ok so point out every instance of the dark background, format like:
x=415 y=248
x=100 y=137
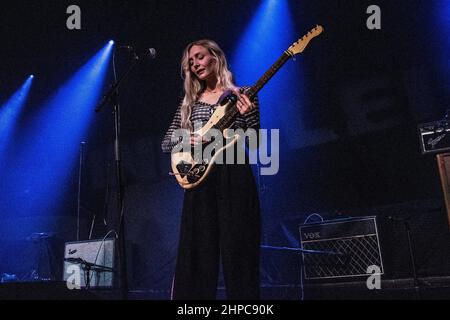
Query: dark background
x=369 y=88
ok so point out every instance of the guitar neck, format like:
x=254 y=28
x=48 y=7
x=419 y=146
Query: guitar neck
x=226 y=121
x=252 y=91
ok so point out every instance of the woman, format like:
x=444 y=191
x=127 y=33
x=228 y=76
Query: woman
x=220 y=219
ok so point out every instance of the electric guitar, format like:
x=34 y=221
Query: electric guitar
x=190 y=170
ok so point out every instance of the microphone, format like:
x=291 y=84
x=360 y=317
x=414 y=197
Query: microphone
x=150 y=52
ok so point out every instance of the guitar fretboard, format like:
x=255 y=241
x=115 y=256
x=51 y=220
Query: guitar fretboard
x=232 y=112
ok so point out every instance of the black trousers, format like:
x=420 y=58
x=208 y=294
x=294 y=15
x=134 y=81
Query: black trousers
x=220 y=222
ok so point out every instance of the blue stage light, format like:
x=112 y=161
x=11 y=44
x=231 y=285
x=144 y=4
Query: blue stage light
x=9 y=113
x=268 y=35
x=43 y=168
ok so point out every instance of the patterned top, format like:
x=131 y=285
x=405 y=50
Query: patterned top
x=201 y=112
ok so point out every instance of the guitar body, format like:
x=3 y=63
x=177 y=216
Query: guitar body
x=191 y=169
x=189 y=172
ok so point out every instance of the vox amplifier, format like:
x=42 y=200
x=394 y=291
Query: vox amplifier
x=340 y=248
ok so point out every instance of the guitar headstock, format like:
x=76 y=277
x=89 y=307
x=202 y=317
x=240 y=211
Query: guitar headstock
x=300 y=45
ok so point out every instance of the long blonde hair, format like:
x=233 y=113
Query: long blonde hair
x=193 y=87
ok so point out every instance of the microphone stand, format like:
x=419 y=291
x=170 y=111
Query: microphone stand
x=80 y=171
x=412 y=259
x=88 y=267
x=411 y=255
x=112 y=96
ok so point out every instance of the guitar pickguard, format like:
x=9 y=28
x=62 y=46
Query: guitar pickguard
x=188 y=172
